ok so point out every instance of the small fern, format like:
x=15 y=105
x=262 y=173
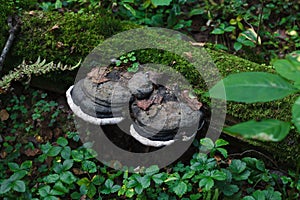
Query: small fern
x=27 y=70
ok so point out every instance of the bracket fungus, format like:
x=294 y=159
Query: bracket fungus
x=160 y=114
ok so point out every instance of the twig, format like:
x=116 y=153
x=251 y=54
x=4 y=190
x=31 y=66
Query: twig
x=12 y=31
x=251 y=151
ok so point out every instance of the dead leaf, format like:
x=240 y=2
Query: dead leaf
x=32 y=152
x=3 y=154
x=200 y=44
x=4 y=115
x=77 y=171
x=72 y=49
x=98 y=74
x=192 y=102
x=83 y=197
x=32 y=13
x=189 y=54
x=59 y=44
x=56 y=26
x=144 y=104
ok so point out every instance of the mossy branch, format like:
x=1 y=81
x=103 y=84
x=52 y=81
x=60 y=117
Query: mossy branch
x=27 y=70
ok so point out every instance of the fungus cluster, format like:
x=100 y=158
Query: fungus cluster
x=159 y=113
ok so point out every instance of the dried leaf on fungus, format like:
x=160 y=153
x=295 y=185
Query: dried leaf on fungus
x=98 y=75
x=191 y=101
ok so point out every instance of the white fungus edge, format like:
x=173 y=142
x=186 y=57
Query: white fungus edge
x=90 y=119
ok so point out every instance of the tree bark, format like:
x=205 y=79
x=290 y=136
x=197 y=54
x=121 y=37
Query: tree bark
x=12 y=31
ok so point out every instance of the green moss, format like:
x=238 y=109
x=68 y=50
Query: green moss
x=65 y=38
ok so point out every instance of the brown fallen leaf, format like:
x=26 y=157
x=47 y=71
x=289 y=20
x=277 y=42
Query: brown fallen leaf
x=200 y=44
x=59 y=45
x=192 y=102
x=144 y=104
x=98 y=74
x=56 y=26
x=32 y=152
x=4 y=115
x=189 y=55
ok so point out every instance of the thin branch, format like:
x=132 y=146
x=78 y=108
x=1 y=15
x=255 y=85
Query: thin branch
x=12 y=30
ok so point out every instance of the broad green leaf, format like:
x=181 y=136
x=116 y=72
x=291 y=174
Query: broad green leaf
x=130 y=8
x=5 y=186
x=109 y=183
x=26 y=165
x=13 y=166
x=218 y=175
x=115 y=188
x=18 y=175
x=161 y=2
x=229 y=29
x=152 y=170
x=44 y=191
x=19 y=186
x=67 y=177
x=98 y=180
x=217 y=31
x=59 y=189
x=83 y=181
x=158 y=178
x=67 y=164
x=89 y=166
x=51 y=178
x=180 y=189
x=296 y=114
x=237 y=166
x=54 y=151
x=251 y=87
x=230 y=189
x=266 y=130
x=188 y=174
x=287 y=68
x=207 y=143
x=66 y=152
x=62 y=141
x=237 y=46
x=92 y=190
x=206 y=183
x=221 y=142
x=197 y=11
x=145 y=181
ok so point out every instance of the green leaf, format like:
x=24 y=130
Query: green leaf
x=161 y=2
x=109 y=183
x=13 y=166
x=131 y=9
x=180 y=189
x=68 y=177
x=229 y=29
x=26 y=165
x=251 y=87
x=58 y=4
x=237 y=46
x=18 y=175
x=221 y=142
x=51 y=178
x=237 y=166
x=266 y=130
x=288 y=69
x=197 y=11
x=6 y=186
x=207 y=143
x=222 y=151
x=296 y=114
x=158 y=178
x=67 y=164
x=89 y=166
x=229 y=190
x=206 y=183
x=62 y=141
x=54 y=151
x=152 y=170
x=98 y=180
x=59 y=189
x=218 y=175
x=77 y=155
x=83 y=181
x=66 y=152
x=218 y=31
x=44 y=191
x=188 y=175
x=138 y=189
x=19 y=186
x=92 y=190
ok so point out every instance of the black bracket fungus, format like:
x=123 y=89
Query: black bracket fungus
x=160 y=114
